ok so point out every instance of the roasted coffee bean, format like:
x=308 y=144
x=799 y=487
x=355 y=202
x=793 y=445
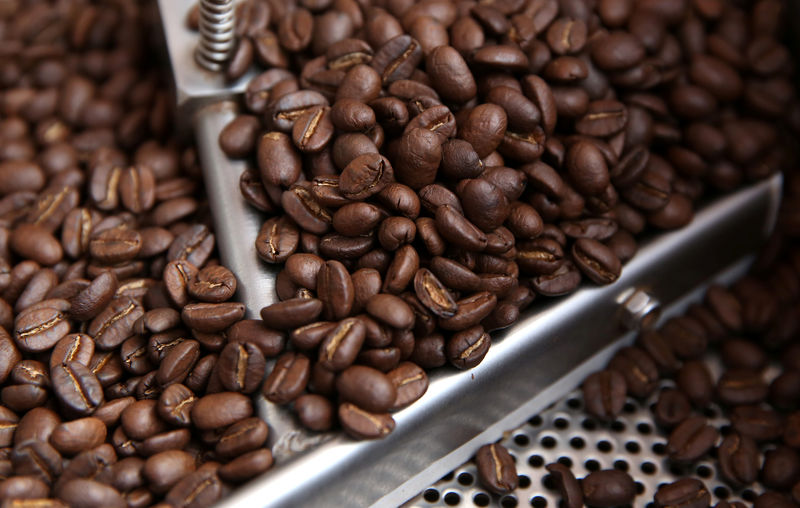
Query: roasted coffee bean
x=163 y=470
x=361 y=424
x=34 y=242
x=741 y=386
x=568 y=486
x=410 y=382
x=686 y=336
x=40 y=329
x=691 y=439
x=496 y=469
x=639 y=370
x=200 y=488
x=175 y=404
x=739 y=459
x=596 y=260
x=564 y=279
x=367 y=388
x=781 y=468
x=604 y=394
x=688 y=492
x=401 y=270
x=177 y=363
x=288 y=378
x=212 y=317
x=694 y=380
x=433 y=294
x=608 y=487
x=213 y=284
x=397 y=58
x=91 y=300
x=38 y=459
x=725 y=307
x=365 y=175
x=73 y=437
x=761 y=424
x=335 y=289
x=114 y=324
x=391 y=310
x=240 y=367
x=587 y=168
x=772 y=499
x=467 y=348
x=220 y=409
x=140 y=420
x=341 y=345
x=76 y=388
x=277 y=240
x=470 y=311
x=242 y=437
x=90 y=493
x=655 y=344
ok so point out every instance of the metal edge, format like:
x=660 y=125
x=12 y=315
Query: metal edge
x=464 y=409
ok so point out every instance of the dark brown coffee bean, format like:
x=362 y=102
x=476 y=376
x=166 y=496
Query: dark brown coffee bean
x=241 y=367
x=470 y=311
x=410 y=382
x=365 y=175
x=739 y=459
x=688 y=492
x=213 y=284
x=341 y=345
x=691 y=439
x=20 y=488
x=391 y=310
x=165 y=469
x=91 y=300
x=656 y=345
x=433 y=294
x=212 y=317
x=568 y=486
x=608 y=487
x=596 y=261
x=367 y=388
x=671 y=408
x=90 y=494
x=617 y=51
x=761 y=424
x=175 y=404
x=562 y=280
x=467 y=348
x=686 y=336
x=450 y=75
x=604 y=394
x=140 y=420
x=496 y=469
x=220 y=409
x=397 y=58
x=277 y=240
x=587 y=168
x=76 y=388
x=200 y=488
x=639 y=370
x=315 y=412
x=741 y=386
x=716 y=76
x=114 y=324
x=725 y=306
x=73 y=437
x=484 y=128
x=242 y=437
x=361 y=424
x=335 y=290
x=278 y=160
x=781 y=468
x=38 y=459
x=178 y=362
x=694 y=380
x=288 y=378
x=35 y=242
x=292 y=313
x=40 y=329
x=772 y=499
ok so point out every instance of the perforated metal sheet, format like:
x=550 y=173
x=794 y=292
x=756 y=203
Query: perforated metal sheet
x=564 y=433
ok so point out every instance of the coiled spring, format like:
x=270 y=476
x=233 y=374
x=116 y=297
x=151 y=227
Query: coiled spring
x=217 y=39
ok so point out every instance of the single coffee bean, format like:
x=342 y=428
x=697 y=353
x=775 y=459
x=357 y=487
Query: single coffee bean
x=277 y=240
x=288 y=378
x=175 y=405
x=739 y=459
x=40 y=329
x=140 y=420
x=608 y=487
x=361 y=424
x=694 y=380
x=335 y=289
x=202 y=487
x=496 y=469
x=688 y=492
x=587 y=168
x=596 y=260
x=38 y=459
x=242 y=437
x=639 y=370
x=741 y=387
x=213 y=284
x=315 y=412
x=568 y=486
x=691 y=439
x=163 y=470
x=367 y=388
x=467 y=348
x=240 y=367
x=655 y=344
x=725 y=306
x=73 y=437
x=177 y=363
x=562 y=280
x=470 y=311
x=76 y=388
x=247 y=466
x=90 y=494
x=212 y=317
x=686 y=336
x=604 y=394
x=220 y=409
x=341 y=345
x=397 y=58
x=365 y=175
x=114 y=324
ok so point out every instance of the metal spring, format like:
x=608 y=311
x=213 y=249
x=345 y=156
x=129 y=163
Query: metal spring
x=217 y=39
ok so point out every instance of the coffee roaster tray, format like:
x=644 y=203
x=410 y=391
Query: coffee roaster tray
x=529 y=366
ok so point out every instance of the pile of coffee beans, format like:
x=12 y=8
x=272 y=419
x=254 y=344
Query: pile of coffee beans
x=427 y=169
x=736 y=350
x=125 y=369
